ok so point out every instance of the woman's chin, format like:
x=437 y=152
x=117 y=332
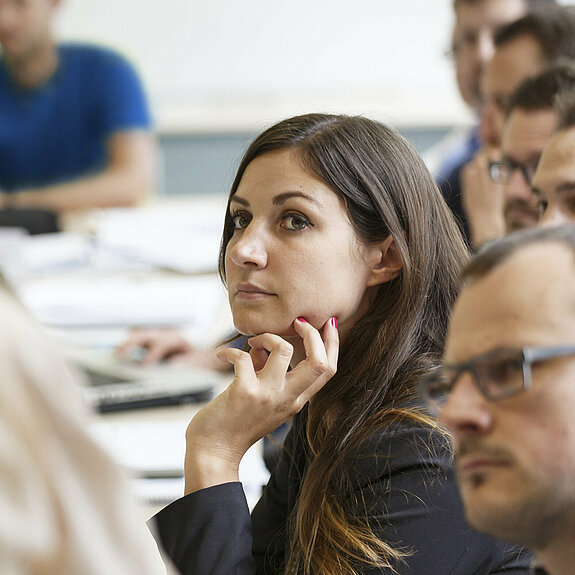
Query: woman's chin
x=257 y=328
x=256 y=324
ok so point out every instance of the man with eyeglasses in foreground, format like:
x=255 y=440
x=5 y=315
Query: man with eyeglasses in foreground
x=506 y=392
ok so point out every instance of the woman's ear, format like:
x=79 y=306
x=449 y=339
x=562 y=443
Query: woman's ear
x=384 y=261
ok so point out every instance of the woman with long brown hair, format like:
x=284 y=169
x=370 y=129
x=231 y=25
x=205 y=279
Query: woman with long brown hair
x=341 y=262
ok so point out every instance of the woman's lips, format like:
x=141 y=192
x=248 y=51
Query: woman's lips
x=252 y=292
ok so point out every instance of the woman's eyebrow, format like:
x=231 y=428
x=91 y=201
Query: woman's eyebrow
x=239 y=200
x=277 y=200
x=282 y=198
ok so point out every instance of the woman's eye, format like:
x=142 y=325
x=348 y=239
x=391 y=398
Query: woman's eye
x=294 y=222
x=241 y=220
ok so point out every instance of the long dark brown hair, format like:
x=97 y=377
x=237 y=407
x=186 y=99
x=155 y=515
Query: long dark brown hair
x=387 y=190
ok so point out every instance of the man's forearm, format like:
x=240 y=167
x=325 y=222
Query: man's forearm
x=124 y=182
x=105 y=190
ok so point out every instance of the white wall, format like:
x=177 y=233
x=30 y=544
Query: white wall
x=238 y=64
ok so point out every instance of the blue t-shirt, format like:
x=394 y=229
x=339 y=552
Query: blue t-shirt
x=58 y=131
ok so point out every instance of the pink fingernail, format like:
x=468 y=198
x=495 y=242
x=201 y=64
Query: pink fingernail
x=334 y=322
x=302 y=319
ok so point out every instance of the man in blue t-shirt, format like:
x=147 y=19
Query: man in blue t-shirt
x=74 y=122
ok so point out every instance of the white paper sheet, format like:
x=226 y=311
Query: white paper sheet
x=92 y=299
x=154 y=452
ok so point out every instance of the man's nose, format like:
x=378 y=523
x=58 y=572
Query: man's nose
x=466 y=408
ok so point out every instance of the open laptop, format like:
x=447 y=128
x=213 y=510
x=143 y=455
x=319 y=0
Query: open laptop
x=111 y=384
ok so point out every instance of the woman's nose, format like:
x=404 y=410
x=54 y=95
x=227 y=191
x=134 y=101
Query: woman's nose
x=249 y=247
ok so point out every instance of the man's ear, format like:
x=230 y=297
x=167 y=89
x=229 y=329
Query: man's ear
x=384 y=261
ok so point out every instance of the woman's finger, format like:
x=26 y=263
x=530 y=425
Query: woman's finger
x=233 y=356
x=279 y=353
x=259 y=358
x=330 y=336
x=319 y=366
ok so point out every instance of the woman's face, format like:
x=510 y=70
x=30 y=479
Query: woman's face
x=293 y=252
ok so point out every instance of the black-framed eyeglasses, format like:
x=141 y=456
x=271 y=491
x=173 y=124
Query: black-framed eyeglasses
x=501 y=171
x=497 y=374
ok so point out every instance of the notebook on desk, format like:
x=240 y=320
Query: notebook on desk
x=112 y=385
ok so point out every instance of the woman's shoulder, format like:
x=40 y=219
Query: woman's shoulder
x=404 y=445
x=404 y=473
x=409 y=435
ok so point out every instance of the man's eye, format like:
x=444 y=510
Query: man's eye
x=503 y=371
x=241 y=220
x=542 y=206
x=469 y=39
x=294 y=222
x=501 y=102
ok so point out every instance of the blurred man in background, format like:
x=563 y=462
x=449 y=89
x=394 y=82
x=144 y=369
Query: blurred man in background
x=472 y=46
x=502 y=200
x=522 y=49
x=75 y=126
x=554 y=180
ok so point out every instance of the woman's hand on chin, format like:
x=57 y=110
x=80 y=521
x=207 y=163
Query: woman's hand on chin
x=262 y=396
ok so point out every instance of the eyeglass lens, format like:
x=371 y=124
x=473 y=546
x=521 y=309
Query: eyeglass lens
x=496 y=376
x=501 y=172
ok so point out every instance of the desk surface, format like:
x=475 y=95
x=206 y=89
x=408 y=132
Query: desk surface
x=151 y=444
x=148 y=442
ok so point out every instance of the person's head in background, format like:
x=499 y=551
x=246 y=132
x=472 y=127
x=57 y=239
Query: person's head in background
x=506 y=392
x=476 y=22
x=530 y=122
x=303 y=187
x=553 y=183
x=522 y=49
x=26 y=28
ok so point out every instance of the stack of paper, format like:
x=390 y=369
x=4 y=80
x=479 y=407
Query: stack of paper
x=94 y=299
x=154 y=452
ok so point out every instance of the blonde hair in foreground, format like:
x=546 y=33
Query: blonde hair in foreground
x=65 y=508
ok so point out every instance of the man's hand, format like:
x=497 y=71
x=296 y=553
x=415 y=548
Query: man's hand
x=483 y=199
x=5 y=201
